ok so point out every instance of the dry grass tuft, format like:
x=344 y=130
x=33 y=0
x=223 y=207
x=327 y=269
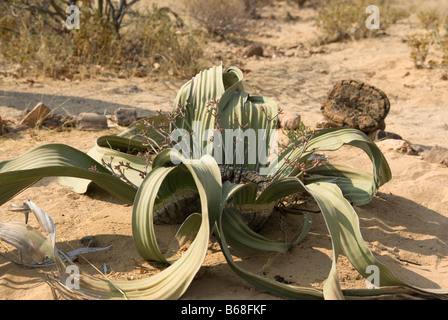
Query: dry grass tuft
x=217 y=16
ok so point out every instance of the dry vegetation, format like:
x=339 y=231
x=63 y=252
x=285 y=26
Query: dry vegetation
x=35 y=41
x=435 y=24
x=345 y=19
x=144 y=42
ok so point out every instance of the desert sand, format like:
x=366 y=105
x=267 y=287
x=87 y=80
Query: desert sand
x=405 y=225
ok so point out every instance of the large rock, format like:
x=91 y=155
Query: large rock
x=354 y=104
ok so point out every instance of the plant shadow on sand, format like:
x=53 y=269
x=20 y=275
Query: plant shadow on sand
x=405 y=235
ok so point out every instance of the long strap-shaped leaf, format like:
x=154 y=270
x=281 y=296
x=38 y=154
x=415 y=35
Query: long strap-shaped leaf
x=236 y=110
x=333 y=139
x=244 y=240
x=56 y=160
x=142 y=218
x=355 y=184
x=29 y=241
x=172 y=282
x=259 y=282
x=343 y=225
x=107 y=149
x=239 y=236
x=113 y=149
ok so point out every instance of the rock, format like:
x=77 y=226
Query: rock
x=354 y=104
x=437 y=155
x=125 y=116
x=253 y=50
x=1 y=127
x=323 y=124
x=289 y=121
x=51 y=123
x=15 y=128
x=134 y=88
x=92 y=122
x=36 y=116
x=398 y=145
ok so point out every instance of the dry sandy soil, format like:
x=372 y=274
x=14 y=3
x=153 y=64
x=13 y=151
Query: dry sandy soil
x=405 y=225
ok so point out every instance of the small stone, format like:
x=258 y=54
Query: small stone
x=92 y=122
x=16 y=128
x=125 y=116
x=36 y=116
x=397 y=145
x=253 y=50
x=289 y=121
x=51 y=123
x=323 y=124
x=437 y=155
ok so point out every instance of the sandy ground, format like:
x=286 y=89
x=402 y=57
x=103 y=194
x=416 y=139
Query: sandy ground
x=405 y=225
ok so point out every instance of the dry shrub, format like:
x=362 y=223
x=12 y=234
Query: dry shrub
x=300 y=3
x=218 y=16
x=436 y=23
x=346 y=19
x=27 y=39
x=430 y=19
x=441 y=39
x=420 y=45
x=149 y=42
x=157 y=44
